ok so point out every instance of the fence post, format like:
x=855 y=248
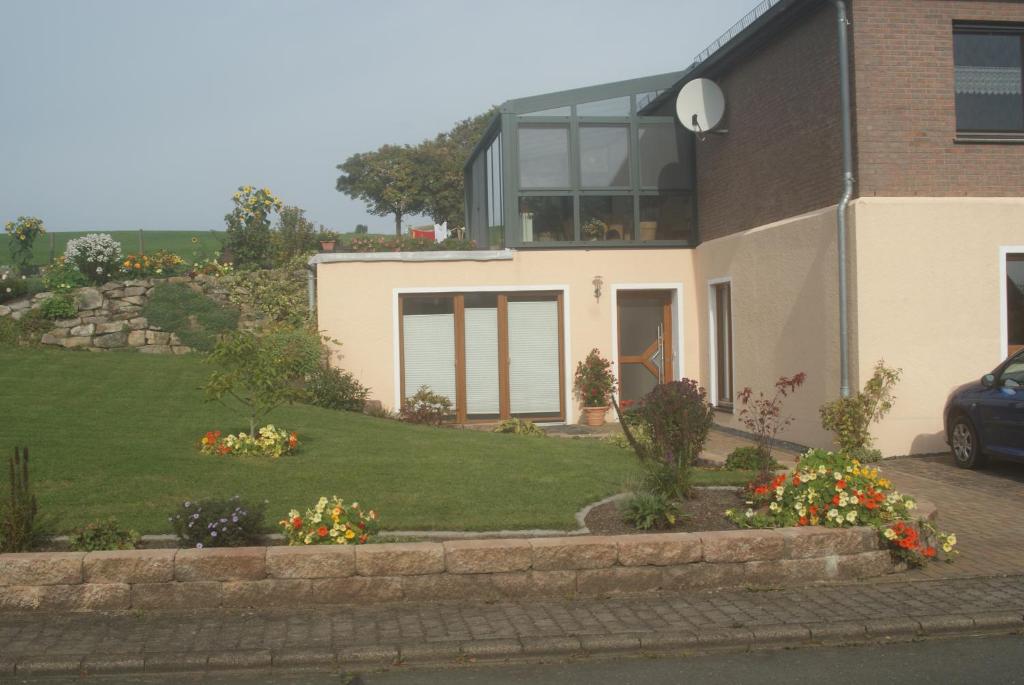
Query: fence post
x=52 y=247
x=142 y=247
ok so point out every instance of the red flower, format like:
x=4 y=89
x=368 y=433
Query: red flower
x=796 y=480
x=803 y=520
x=322 y=531
x=297 y=522
x=363 y=538
x=835 y=500
x=362 y=526
x=840 y=485
x=870 y=504
x=929 y=552
x=814 y=509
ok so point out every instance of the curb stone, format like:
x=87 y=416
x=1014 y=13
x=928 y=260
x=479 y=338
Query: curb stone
x=374 y=657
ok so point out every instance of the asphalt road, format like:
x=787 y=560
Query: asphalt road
x=981 y=660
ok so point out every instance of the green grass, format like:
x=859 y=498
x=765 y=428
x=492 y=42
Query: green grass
x=114 y=434
x=196 y=319
x=178 y=242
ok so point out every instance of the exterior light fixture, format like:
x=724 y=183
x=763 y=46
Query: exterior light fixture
x=598 y=282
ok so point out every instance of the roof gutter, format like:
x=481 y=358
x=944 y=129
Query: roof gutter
x=842 y=23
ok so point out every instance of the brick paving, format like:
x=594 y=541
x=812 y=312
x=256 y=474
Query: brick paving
x=381 y=634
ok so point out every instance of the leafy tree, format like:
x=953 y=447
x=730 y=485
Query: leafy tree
x=445 y=157
x=262 y=371
x=248 y=236
x=362 y=229
x=295 y=235
x=390 y=180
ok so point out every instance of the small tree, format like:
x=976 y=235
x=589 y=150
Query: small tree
x=850 y=418
x=23 y=232
x=248 y=238
x=762 y=416
x=295 y=235
x=262 y=371
x=389 y=180
x=362 y=229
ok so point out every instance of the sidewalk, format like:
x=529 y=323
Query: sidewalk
x=378 y=636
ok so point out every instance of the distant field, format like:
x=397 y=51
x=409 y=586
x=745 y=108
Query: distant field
x=178 y=242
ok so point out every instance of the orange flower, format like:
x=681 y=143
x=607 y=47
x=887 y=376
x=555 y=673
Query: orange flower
x=297 y=522
x=803 y=520
x=293 y=440
x=322 y=531
x=929 y=552
x=840 y=485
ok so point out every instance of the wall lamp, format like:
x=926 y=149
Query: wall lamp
x=598 y=282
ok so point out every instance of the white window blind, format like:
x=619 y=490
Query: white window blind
x=429 y=350
x=482 y=360
x=533 y=357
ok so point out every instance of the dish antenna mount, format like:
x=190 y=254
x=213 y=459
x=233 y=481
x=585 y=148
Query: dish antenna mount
x=700 y=106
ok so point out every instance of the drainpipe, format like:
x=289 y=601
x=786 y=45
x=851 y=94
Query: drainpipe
x=844 y=200
x=311 y=289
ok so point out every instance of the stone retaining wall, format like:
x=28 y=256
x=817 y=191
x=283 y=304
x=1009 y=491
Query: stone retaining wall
x=474 y=570
x=110 y=316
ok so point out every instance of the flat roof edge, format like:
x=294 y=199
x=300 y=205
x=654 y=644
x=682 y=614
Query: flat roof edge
x=430 y=256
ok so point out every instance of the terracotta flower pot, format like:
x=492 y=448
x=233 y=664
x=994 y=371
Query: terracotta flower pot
x=594 y=416
x=327 y=245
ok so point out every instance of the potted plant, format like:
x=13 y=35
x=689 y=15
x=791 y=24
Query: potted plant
x=327 y=239
x=594 y=385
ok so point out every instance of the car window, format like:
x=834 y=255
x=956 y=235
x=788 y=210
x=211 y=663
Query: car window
x=1013 y=374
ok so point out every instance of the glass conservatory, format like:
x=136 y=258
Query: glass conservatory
x=589 y=167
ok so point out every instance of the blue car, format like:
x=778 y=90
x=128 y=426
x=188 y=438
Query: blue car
x=986 y=418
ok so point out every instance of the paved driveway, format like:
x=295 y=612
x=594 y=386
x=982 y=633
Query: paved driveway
x=982 y=507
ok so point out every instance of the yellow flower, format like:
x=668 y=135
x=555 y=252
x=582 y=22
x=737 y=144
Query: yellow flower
x=349 y=534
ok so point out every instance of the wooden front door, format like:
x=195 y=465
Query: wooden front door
x=645 y=342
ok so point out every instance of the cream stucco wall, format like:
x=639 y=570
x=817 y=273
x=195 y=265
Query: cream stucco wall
x=928 y=300
x=356 y=302
x=785 y=317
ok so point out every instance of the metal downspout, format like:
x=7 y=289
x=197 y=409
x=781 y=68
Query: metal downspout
x=311 y=290
x=844 y=200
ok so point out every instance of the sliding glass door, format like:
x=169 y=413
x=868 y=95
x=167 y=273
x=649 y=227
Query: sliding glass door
x=494 y=355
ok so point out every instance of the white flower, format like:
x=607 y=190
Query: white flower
x=750 y=513
x=909 y=504
x=833 y=513
x=837 y=475
x=852 y=516
x=779 y=491
x=947 y=548
x=774 y=506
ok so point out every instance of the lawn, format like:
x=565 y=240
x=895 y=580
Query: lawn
x=114 y=434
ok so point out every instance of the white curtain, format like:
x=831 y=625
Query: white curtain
x=482 y=360
x=533 y=357
x=429 y=349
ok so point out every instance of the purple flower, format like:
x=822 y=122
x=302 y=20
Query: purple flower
x=213 y=533
x=199 y=545
x=234 y=519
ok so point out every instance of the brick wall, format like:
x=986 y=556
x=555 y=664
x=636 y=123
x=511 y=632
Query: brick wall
x=905 y=107
x=782 y=155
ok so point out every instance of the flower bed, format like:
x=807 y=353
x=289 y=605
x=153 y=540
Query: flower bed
x=828 y=489
x=270 y=441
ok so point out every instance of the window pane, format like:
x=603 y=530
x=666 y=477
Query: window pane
x=543 y=156
x=495 y=237
x=428 y=345
x=604 y=156
x=664 y=158
x=614 y=107
x=723 y=343
x=1015 y=301
x=666 y=216
x=988 y=82
x=644 y=99
x=546 y=219
x=533 y=358
x=554 y=112
x=606 y=218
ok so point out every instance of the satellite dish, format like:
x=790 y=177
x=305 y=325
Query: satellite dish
x=700 y=105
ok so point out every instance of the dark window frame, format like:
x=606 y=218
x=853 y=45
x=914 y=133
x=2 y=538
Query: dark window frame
x=981 y=28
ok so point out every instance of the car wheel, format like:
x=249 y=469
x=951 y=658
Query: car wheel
x=964 y=441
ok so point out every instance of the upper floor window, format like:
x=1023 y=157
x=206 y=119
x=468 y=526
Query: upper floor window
x=989 y=83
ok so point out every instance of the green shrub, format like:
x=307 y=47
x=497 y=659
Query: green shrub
x=850 y=418
x=24 y=332
x=102 y=535
x=333 y=388
x=248 y=238
x=747 y=458
x=645 y=510
x=426 y=407
x=218 y=522
x=197 y=320
x=295 y=236
x=639 y=430
x=520 y=427
x=62 y=276
x=278 y=295
x=22 y=233
x=59 y=306
x=21 y=528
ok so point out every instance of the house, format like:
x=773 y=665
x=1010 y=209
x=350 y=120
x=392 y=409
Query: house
x=715 y=256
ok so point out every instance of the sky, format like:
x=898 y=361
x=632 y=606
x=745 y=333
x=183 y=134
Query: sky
x=127 y=114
